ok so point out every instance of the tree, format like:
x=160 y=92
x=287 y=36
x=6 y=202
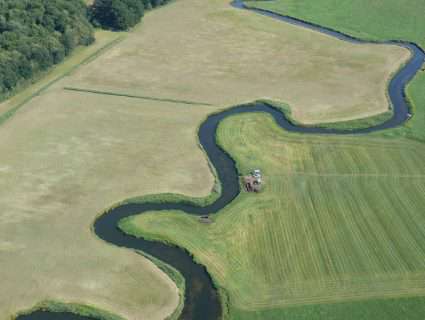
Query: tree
x=117 y=14
x=35 y=34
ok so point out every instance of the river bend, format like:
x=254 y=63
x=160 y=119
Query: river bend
x=201 y=297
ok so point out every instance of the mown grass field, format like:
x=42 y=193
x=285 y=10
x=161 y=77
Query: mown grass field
x=392 y=309
x=66 y=156
x=373 y=20
x=340 y=220
x=214 y=53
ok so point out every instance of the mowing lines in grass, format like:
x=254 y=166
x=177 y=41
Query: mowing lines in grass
x=351 y=228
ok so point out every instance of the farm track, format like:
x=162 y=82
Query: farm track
x=201 y=297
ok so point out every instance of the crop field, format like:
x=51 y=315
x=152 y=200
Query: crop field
x=220 y=55
x=340 y=219
x=373 y=20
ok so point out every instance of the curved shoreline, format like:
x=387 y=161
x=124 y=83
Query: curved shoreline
x=201 y=297
x=397 y=84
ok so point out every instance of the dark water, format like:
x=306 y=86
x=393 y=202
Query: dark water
x=201 y=298
x=44 y=315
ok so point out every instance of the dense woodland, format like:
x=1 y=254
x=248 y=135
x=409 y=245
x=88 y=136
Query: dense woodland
x=121 y=14
x=36 y=34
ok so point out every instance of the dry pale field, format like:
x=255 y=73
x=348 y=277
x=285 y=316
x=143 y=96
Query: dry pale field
x=66 y=156
x=208 y=51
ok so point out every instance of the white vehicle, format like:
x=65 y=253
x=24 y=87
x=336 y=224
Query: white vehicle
x=256 y=173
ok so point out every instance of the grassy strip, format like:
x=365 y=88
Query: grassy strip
x=343 y=125
x=175 y=276
x=359 y=123
x=415 y=94
x=108 y=93
x=79 y=309
x=169 y=198
x=58 y=73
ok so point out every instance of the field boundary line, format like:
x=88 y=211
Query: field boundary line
x=11 y=112
x=125 y=95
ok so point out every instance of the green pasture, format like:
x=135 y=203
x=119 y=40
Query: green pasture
x=370 y=20
x=388 y=309
x=340 y=221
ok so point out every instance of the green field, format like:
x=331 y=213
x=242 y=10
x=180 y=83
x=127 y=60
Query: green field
x=337 y=233
x=339 y=220
x=388 y=309
x=371 y=20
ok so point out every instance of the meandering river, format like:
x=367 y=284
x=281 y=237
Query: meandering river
x=201 y=297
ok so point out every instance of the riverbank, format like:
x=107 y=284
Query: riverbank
x=308 y=240
x=369 y=21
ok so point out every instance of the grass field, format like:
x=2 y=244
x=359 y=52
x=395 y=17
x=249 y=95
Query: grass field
x=340 y=220
x=372 y=20
x=213 y=48
x=66 y=155
x=377 y=20
x=372 y=309
x=65 y=158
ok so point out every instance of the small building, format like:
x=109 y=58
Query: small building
x=252 y=183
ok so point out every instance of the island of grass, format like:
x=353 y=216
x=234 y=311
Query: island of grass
x=337 y=229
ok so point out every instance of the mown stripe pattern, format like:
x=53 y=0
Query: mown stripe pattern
x=340 y=219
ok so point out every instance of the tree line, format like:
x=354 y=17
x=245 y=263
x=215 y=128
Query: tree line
x=121 y=14
x=36 y=34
